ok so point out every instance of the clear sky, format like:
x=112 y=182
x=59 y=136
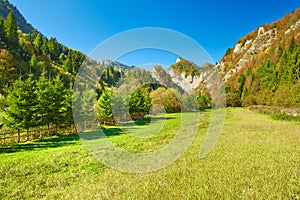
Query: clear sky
x=215 y=24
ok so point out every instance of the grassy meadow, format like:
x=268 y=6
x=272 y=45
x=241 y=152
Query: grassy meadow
x=256 y=157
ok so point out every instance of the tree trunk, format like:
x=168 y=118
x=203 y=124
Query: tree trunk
x=4 y=138
x=48 y=124
x=41 y=133
x=18 y=135
x=27 y=135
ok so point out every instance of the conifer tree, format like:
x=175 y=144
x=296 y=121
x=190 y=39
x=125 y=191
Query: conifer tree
x=11 y=30
x=2 y=33
x=104 y=112
x=37 y=43
x=139 y=104
x=45 y=98
x=59 y=109
x=22 y=109
x=53 y=49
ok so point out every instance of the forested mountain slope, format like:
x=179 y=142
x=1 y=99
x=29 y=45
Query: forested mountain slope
x=264 y=67
x=6 y=7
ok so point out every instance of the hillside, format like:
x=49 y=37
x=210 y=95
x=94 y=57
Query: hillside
x=264 y=67
x=6 y=7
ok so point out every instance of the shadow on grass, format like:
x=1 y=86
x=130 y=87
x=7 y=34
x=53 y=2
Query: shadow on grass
x=41 y=144
x=147 y=121
x=110 y=131
x=74 y=138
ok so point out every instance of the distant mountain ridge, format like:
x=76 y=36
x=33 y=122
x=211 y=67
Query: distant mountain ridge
x=6 y=7
x=108 y=63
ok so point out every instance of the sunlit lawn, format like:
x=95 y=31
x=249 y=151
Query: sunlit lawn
x=255 y=158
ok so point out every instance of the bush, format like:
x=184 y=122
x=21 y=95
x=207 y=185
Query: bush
x=285 y=117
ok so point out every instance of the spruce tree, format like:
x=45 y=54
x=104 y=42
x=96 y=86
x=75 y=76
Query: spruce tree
x=2 y=33
x=59 y=109
x=104 y=112
x=88 y=107
x=22 y=106
x=139 y=104
x=53 y=49
x=45 y=98
x=11 y=31
x=37 y=43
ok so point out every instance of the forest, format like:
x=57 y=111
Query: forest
x=276 y=82
x=37 y=77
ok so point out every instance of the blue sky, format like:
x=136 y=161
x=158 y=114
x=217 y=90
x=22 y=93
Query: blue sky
x=215 y=24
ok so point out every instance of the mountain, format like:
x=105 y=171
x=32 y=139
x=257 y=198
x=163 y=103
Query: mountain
x=108 y=63
x=183 y=74
x=6 y=7
x=187 y=74
x=32 y=54
x=264 y=66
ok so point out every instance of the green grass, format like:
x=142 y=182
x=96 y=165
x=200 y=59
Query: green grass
x=256 y=157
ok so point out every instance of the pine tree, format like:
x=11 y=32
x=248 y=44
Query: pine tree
x=44 y=47
x=53 y=49
x=45 y=98
x=139 y=104
x=33 y=63
x=60 y=103
x=67 y=65
x=22 y=109
x=11 y=31
x=88 y=107
x=2 y=33
x=77 y=110
x=37 y=43
x=104 y=112
x=118 y=103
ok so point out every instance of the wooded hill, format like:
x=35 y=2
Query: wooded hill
x=263 y=68
x=6 y=7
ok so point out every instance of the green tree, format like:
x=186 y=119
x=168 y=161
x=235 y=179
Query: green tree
x=88 y=107
x=61 y=102
x=45 y=98
x=33 y=63
x=53 y=49
x=119 y=106
x=139 y=104
x=8 y=71
x=190 y=102
x=167 y=98
x=37 y=43
x=171 y=101
x=11 y=31
x=203 y=101
x=2 y=33
x=241 y=80
x=44 y=47
x=104 y=112
x=22 y=106
x=67 y=65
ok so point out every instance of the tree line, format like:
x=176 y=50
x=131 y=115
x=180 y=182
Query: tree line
x=31 y=103
x=23 y=54
x=276 y=82
x=36 y=81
